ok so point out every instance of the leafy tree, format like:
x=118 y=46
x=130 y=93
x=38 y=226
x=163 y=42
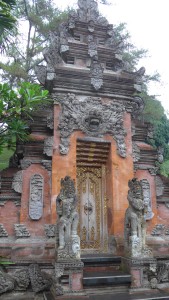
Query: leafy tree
x=16 y=107
x=25 y=52
x=7 y=22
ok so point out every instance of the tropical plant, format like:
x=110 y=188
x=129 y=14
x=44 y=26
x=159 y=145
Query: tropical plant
x=16 y=107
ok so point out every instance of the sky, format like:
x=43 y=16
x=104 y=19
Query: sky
x=148 y=24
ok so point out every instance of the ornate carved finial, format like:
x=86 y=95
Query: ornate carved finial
x=135 y=224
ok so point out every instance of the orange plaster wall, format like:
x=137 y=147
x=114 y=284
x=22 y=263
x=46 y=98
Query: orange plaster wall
x=62 y=165
x=144 y=174
x=119 y=172
x=35 y=227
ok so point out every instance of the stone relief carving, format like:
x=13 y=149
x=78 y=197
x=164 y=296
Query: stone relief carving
x=93 y=117
x=92 y=47
x=17 y=182
x=147 y=199
x=136 y=153
x=135 y=224
x=3 y=232
x=96 y=73
x=40 y=281
x=21 y=279
x=7 y=283
x=160 y=152
x=36 y=197
x=159 y=186
x=158 y=230
x=50 y=230
x=47 y=164
x=163 y=271
x=50 y=120
x=21 y=231
x=66 y=204
x=48 y=146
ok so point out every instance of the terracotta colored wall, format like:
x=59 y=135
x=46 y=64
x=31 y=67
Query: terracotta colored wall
x=9 y=215
x=119 y=172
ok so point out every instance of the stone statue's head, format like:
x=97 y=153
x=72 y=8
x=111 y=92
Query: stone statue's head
x=135 y=194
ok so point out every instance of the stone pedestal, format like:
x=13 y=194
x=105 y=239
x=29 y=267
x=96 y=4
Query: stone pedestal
x=68 y=277
x=143 y=272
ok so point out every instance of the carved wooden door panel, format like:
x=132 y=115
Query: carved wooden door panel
x=92 y=210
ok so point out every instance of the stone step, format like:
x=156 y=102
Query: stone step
x=101 y=263
x=106 y=278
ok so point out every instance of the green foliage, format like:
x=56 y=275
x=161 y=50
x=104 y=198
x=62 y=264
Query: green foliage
x=15 y=107
x=164 y=168
x=7 y=22
x=25 y=51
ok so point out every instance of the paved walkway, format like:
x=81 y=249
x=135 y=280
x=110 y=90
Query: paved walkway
x=114 y=296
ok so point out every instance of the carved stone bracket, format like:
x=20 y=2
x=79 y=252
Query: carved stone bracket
x=47 y=164
x=3 y=232
x=21 y=231
x=50 y=230
x=152 y=170
x=17 y=182
x=48 y=146
x=91 y=116
x=25 y=163
x=96 y=73
x=36 y=197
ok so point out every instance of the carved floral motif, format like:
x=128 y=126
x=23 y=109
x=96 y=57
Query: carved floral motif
x=21 y=231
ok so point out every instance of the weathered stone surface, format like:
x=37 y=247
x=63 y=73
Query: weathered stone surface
x=21 y=231
x=7 y=283
x=68 y=217
x=135 y=225
x=39 y=281
x=36 y=197
x=3 y=232
x=17 y=182
x=93 y=117
x=22 y=279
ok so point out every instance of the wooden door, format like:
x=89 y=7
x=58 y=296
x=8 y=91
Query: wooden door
x=92 y=210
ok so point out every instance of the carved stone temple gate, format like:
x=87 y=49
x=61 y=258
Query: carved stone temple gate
x=88 y=156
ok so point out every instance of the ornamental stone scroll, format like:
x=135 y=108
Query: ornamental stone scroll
x=36 y=197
